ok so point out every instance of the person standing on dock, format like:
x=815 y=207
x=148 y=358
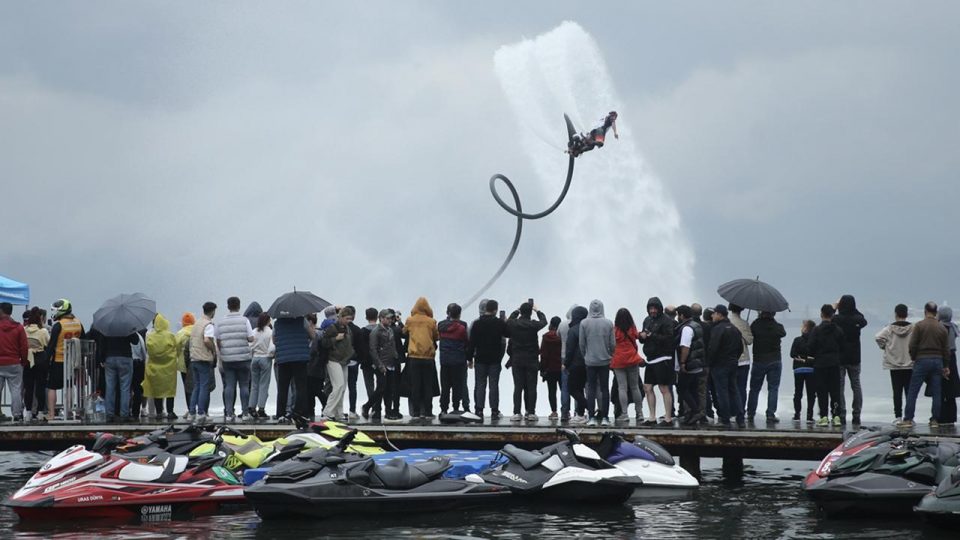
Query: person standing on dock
x=564 y=374
x=894 y=341
x=803 y=372
x=263 y=350
x=524 y=351
x=551 y=364
x=160 y=376
x=575 y=366
x=187 y=320
x=767 y=364
x=453 y=358
x=487 y=347
x=691 y=355
x=372 y=378
x=35 y=376
x=422 y=338
x=597 y=343
x=14 y=354
x=66 y=326
x=851 y=321
x=951 y=384
x=386 y=361
x=723 y=355
x=930 y=353
x=338 y=341
x=743 y=364
x=626 y=365
x=659 y=346
x=203 y=351
x=234 y=336
x=825 y=346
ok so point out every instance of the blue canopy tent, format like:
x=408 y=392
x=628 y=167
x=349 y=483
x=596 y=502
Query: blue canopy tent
x=14 y=292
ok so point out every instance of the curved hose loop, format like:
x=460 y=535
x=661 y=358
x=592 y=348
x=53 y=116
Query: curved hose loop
x=517 y=211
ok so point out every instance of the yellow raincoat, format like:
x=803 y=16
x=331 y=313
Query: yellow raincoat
x=160 y=376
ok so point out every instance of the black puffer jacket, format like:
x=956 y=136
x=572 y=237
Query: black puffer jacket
x=767 y=334
x=850 y=321
x=662 y=340
x=726 y=345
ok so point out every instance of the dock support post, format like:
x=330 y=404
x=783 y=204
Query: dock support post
x=691 y=464
x=733 y=469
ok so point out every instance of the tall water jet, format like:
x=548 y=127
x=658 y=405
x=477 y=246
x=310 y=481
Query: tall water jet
x=618 y=235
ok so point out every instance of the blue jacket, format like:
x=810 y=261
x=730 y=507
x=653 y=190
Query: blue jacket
x=292 y=340
x=453 y=342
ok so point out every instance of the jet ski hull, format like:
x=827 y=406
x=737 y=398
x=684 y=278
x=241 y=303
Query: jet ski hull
x=867 y=493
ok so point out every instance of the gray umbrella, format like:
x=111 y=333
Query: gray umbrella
x=125 y=314
x=296 y=304
x=753 y=294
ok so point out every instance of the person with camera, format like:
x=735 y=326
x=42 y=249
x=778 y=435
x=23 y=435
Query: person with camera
x=525 y=359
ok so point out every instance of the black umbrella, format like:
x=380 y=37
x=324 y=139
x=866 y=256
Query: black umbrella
x=125 y=314
x=753 y=294
x=296 y=304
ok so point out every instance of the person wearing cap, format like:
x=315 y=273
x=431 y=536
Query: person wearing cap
x=66 y=326
x=723 y=353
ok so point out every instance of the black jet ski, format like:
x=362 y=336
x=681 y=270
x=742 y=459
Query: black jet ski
x=333 y=482
x=885 y=478
x=567 y=471
x=942 y=506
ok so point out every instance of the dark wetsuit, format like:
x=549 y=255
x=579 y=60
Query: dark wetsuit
x=599 y=133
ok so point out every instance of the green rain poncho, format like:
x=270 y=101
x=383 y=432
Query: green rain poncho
x=160 y=377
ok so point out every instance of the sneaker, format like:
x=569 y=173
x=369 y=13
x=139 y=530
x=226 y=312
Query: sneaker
x=365 y=411
x=553 y=416
x=823 y=422
x=229 y=418
x=623 y=418
x=353 y=416
x=772 y=419
x=172 y=416
x=605 y=422
x=190 y=417
x=837 y=421
x=428 y=416
x=796 y=417
x=933 y=424
x=344 y=417
x=810 y=420
x=750 y=418
x=565 y=417
x=530 y=417
x=494 y=415
x=19 y=419
x=577 y=419
x=262 y=413
x=639 y=418
x=742 y=424
x=201 y=419
x=905 y=424
x=592 y=422
x=897 y=420
x=284 y=420
x=856 y=419
x=516 y=418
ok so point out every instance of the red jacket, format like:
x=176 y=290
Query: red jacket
x=13 y=343
x=626 y=353
x=550 y=361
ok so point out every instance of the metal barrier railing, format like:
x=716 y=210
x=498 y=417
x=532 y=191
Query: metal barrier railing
x=79 y=377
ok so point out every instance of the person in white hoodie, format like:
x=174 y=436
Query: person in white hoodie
x=894 y=340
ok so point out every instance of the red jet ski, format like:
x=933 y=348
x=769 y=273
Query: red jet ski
x=860 y=441
x=79 y=483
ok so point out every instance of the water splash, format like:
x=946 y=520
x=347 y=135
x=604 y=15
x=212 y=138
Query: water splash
x=618 y=237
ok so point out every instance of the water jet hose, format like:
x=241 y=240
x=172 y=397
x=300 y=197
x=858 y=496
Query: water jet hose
x=517 y=211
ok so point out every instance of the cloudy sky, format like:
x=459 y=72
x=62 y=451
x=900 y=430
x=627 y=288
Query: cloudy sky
x=198 y=151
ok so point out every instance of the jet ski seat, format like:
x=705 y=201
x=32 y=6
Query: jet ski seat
x=161 y=468
x=528 y=460
x=400 y=475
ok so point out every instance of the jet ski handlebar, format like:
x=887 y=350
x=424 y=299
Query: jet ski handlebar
x=569 y=434
x=346 y=440
x=229 y=431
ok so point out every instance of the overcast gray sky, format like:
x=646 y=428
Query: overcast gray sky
x=196 y=151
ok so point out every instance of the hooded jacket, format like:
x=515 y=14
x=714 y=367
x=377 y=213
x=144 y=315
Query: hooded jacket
x=563 y=329
x=160 y=373
x=574 y=356
x=894 y=341
x=826 y=344
x=945 y=316
x=851 y=322
x=14 y=349
x=626 y=353
x=597 y=342
x=767 y=335
x=421 y=329
x=661 y=344
x=524 y=349
x=252 y=313
x=550 y=359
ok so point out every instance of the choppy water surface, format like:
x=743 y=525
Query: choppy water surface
x=768 y=504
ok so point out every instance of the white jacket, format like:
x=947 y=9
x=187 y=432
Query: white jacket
x=894 y=339
x=747 y=334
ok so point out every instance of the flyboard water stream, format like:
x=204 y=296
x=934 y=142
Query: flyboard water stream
x=618 y=235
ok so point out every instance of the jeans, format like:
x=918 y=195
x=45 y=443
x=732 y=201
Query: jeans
x=200 y=399
x=119 y=372
x=854 y=373
x=12 y=376
x=525 y=388
x=929 y=369
x=726 y=383
x=337 y=375
x=577 y=381
x=801 y=380
x=770 y=371
x=236 y=373
x=828 y=390
x=486 y=373
x=688 y=388
x=353 y=373
x=743 y=375
x=564 y=393
x=628 y=385
x=598 y=378
x=260 y=370
x=451 y=382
